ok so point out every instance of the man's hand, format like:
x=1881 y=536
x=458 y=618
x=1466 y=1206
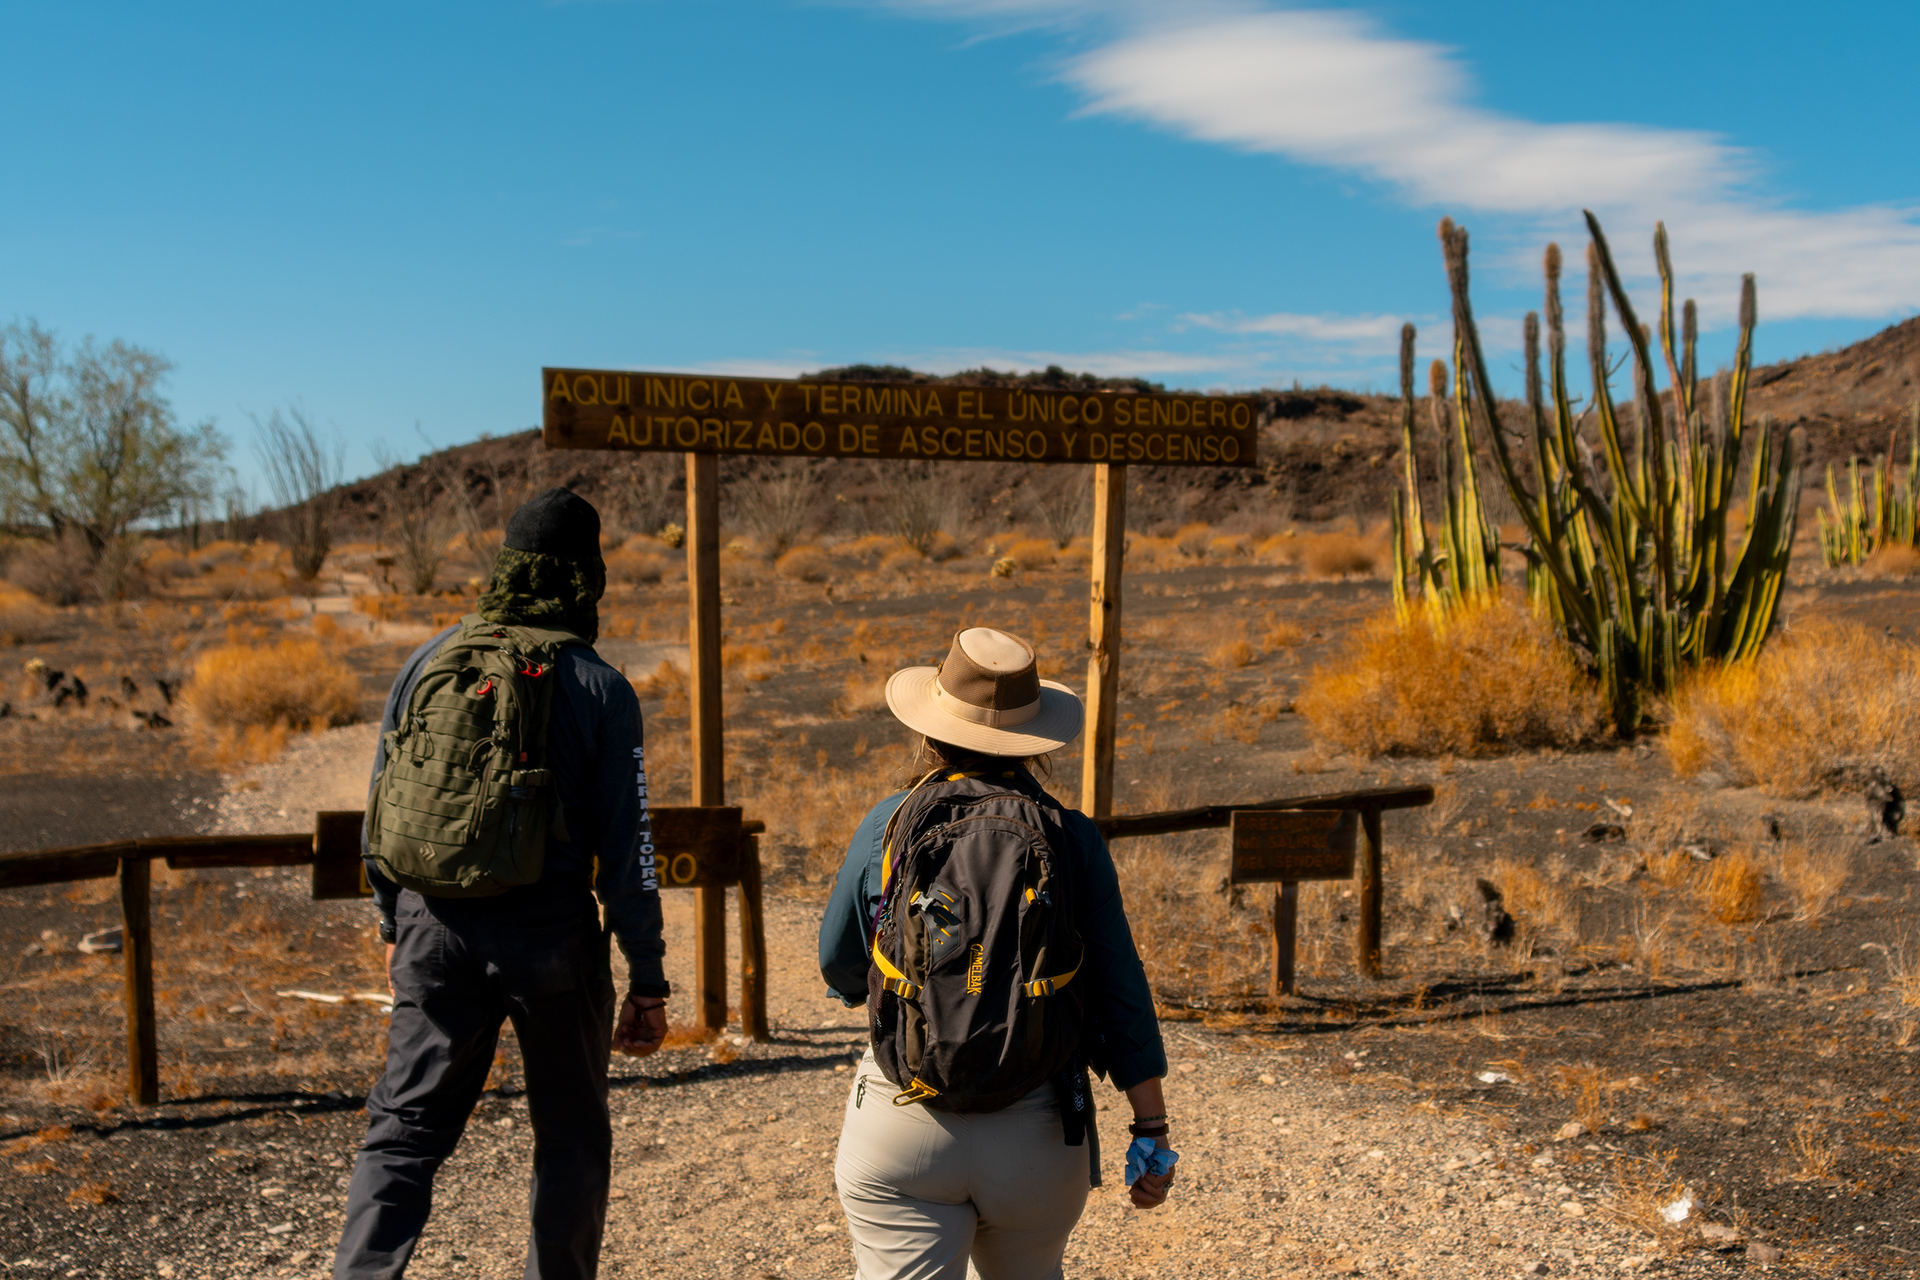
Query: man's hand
x=641 y=1027
x=390 y=990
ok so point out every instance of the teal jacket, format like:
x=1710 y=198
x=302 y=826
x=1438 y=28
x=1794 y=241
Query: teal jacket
x=1124 y=1040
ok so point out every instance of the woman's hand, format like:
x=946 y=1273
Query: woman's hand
x=1150 y=1190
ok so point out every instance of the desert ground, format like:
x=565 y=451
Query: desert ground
x=1638 y=1079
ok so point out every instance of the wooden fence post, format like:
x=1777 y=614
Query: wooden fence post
x=143 y=1037
x=1369 y=869
x=753 y=944
x=709 y=760
x=1103 y=638
x=1286 y=917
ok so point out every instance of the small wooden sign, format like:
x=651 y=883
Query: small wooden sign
x=1291 y=845
x=780 y=417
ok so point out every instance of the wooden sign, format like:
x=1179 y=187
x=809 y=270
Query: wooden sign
x=1291 y=845
x=779 y=417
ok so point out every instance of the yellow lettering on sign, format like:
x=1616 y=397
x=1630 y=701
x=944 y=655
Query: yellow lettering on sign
x=741 y=428
x=1242 y=416
x=617 y=432
x=806 y=392
x=933 y=408
x=766 y=440
x=1037 y=445
x=814 y=436
x=558 y=391
x=1122 y=413
x=1230 y=449
x=1016 y=406
x=870 y=439
x=1096 y=447
x=773 y=395
x=713 y=432
x=1070 y=437
x=830 y=399
x=586 y=380
x=973 y=442
x=698 y=387
x=1069 y=402
x=733 y=400
x=950 y=447
x=789 y=435
x=1091 y=409
x=907 y=443
x=686 y=432
x=849 y=437
x=1217 y=413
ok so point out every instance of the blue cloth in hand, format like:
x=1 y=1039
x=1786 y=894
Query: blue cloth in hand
x=1143 y=1157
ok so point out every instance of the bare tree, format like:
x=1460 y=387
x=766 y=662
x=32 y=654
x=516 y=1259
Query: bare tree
x=420 y=521
x=775 y=503
x=918 y=502
x=89 y=443
x=303 y=474
x=1062 y=500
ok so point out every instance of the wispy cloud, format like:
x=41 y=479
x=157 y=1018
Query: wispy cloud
x=1336 y=90
x=1363 y=332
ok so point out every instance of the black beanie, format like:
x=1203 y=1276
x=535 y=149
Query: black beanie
x=557 y=523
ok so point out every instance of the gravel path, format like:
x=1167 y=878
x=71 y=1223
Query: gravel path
x=1296 y=1159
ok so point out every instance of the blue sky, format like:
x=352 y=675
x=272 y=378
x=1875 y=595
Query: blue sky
x=395 y=214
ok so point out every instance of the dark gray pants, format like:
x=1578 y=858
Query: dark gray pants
x=460 y=968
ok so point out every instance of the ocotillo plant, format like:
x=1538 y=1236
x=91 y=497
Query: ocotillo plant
x=1633 y=565
x=1848 y=533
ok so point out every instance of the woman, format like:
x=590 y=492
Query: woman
x=926 y=1186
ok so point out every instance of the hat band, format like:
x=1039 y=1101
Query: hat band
x=984 y=715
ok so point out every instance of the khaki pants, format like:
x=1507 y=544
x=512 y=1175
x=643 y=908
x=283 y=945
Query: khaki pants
x=924 y=1191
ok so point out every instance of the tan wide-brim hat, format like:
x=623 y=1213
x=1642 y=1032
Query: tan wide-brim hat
x=987 y=697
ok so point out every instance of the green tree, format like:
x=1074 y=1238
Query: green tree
x=88 y=442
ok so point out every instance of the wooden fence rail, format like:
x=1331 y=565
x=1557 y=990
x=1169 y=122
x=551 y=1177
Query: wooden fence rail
x=705 y=848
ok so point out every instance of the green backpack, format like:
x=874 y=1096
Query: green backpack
x=463 y=808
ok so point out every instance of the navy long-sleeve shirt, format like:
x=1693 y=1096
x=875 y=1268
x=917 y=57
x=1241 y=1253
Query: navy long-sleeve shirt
x=1125 y=1044
x=596 y=750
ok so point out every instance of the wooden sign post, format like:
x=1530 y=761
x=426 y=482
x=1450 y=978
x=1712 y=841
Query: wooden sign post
x=1286 y=846
x=705 y=415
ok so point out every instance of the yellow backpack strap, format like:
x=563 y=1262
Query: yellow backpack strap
x=890 y=977
x=1047 y=986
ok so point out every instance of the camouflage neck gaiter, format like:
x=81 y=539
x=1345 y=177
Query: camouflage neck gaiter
x=532 y=589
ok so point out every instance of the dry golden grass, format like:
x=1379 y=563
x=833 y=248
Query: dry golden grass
x=23 y=619
x=902 y=561
x=804 y=564
x=1814 y=877
x=1341 y=554
x=1814 y=1156
x=1032 y=553
x=1540 y=903
x=1232 y=654
x=665 y=689
x=1731 y=887
x=1818 y=708
x=1482 y=681
x=246 y=698
x=747 y=662
x=641 y=559
x=1637 y=1192
x=1283 y=635
x=1895 y=560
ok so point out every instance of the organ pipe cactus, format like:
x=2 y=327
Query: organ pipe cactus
x=1628 y=553
x=1849 y=533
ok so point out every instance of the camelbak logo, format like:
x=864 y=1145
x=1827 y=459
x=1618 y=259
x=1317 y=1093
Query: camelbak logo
x=976 y=969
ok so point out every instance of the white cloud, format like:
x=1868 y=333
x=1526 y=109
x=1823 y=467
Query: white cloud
x=1333 y=89
x=1364 y=333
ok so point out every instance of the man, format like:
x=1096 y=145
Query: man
x=459 y=966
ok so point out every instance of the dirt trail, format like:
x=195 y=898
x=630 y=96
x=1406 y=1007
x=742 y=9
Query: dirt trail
x=1297 y=1158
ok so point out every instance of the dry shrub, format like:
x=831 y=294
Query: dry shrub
x=1339 y=554
x=1231 y=654
x=640 y=560
x=93 y=1193
x=1894 y=560
x=804 y=564
x=59 y=572
x=22 y=618
x=1283 y=635
x=1032 y=553
x=1194 y=541
x=293 y=684
x=811 y=815
x=902 y=560
x=666 y=688
x=1539 y=902
x=749 y=661
x=1730 y=888
x=1819 y=708
x=862 y=693
x=1639 y=1189
x=1814 y=877
x=1484 y=680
